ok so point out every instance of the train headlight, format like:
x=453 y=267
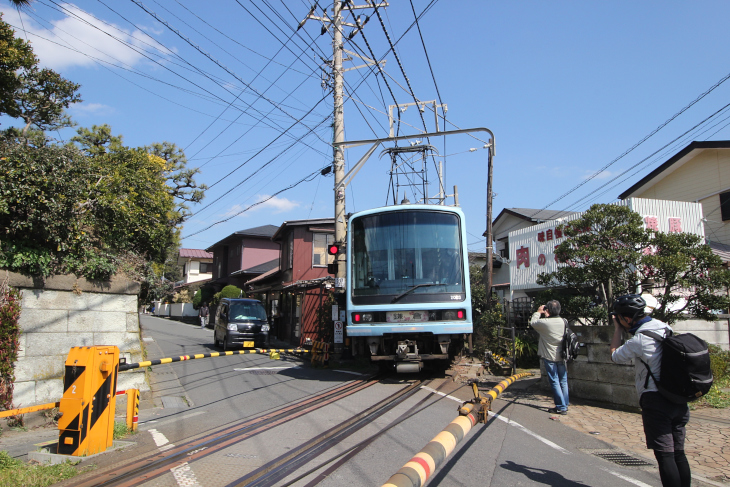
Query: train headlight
x=367 y=317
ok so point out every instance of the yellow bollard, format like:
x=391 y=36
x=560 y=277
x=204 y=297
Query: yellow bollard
x=274 y=355
x=132 y=409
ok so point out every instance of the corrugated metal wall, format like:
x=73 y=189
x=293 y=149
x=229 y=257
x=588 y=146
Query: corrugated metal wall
x=526 y=248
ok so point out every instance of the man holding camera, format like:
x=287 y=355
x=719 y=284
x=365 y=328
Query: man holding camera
x=551 y=327
x=664 y=421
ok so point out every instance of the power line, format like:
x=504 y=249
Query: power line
x=308 y=177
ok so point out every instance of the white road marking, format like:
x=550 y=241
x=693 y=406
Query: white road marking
x=508 y=421
x=184 y=476
x=159 y=438
x=626 y=478
x=442 y=394
x=531 y=433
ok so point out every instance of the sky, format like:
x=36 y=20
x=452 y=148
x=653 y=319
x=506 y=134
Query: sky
x=583 y=98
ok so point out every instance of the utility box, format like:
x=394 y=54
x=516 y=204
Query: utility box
x=86 y=425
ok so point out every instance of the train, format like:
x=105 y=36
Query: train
x=408 y=298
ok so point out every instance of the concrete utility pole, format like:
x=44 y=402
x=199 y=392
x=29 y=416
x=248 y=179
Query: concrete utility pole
x=488 y=272
x=339 y=137
x=336 y=23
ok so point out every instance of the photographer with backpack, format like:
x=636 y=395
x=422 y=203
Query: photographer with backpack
x=551 y=327
x=664 y=420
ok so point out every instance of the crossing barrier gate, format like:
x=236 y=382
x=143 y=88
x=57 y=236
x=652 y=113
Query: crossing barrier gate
x=88 y=404
x=320 y=353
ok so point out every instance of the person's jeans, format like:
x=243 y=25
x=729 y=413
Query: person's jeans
x=558 y=377
x=203 y=321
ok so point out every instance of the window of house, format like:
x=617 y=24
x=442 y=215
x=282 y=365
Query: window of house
x=504 y=252
x=287 y=253
x=725 y=206
x=206 y=268
x=320 y=242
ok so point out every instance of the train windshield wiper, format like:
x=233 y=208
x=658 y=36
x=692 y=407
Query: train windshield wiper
x=408 y=291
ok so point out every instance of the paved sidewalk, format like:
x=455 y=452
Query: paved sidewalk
x=708 y=432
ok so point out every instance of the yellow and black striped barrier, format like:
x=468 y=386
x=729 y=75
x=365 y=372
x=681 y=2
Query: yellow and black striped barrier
x=417 y=471
x=320 y=353
x=182 y=358
x=29 y=409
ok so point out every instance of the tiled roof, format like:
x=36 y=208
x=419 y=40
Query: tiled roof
x=262 y=231
x=195 y=254
x=536 y=215
x=263 y=276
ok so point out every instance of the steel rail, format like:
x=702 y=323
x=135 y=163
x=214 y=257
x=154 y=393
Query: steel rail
x=279 y=468
x=344 y=457
x=158 y=463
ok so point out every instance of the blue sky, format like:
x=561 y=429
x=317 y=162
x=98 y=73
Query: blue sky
x=566 y=87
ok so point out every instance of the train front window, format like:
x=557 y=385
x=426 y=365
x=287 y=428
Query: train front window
x=393 y=252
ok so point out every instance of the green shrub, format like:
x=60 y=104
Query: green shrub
x=231 y=292
x=9 y=345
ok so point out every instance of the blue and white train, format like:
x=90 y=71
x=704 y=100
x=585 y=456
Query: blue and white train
x=408 y=299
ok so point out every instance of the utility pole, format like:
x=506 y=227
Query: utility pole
x=339 y=137
x=488 y=273
x=336 y=23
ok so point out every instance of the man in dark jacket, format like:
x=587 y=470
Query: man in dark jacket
x=203 y=313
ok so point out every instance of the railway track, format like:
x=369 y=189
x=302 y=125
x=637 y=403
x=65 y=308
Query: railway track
x=144 y=468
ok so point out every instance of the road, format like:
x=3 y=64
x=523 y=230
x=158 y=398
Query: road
x=520 y=446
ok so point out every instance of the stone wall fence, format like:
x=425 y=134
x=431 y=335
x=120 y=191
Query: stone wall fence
x=594 y=377
x=61 y=312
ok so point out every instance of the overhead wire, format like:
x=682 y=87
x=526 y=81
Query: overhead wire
x=308 y=177
x=215 y=61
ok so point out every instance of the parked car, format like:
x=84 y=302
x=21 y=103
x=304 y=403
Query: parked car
x=240 y=323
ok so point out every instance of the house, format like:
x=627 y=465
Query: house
x=243 y=255
x=699 y=173
x=197 y=265
x=508 y=220
x=300 y=284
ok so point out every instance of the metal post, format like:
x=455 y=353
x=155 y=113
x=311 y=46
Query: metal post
x=488 y=273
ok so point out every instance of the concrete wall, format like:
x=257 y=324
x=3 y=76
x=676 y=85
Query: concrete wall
x=592 y=376
x=63 y=312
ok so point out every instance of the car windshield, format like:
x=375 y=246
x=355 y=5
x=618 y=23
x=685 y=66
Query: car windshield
x=247 y=311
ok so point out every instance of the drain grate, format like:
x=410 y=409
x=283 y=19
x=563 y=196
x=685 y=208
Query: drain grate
x=264 y=372
x=622 y=459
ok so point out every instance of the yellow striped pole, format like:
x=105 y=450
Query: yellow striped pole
x=182 y=358
x=416 y=472
x=29 y=409
x=132 y=408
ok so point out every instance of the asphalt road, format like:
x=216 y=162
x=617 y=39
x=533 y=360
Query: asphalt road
x=520 y=446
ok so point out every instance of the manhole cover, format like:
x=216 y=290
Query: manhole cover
x=622 y=459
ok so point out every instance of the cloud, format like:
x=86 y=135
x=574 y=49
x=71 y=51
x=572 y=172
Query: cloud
x=77 y=38
x=601 y=175
x=276 y=205
x=91 y=108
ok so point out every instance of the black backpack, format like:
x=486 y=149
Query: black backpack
x=571 y=345
x=685 y=367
